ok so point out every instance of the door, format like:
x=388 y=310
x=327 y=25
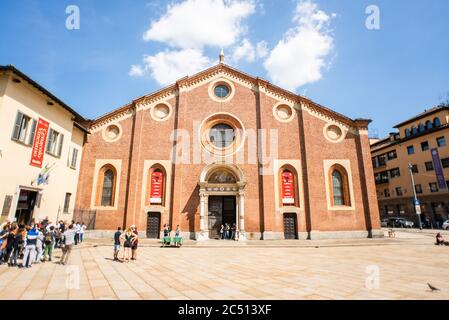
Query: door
x=25 y=206
x=290 y=226
x=215 y=216
x=221 y=210
x=154 y=225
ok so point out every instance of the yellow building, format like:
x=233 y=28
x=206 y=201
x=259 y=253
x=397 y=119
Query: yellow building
x=40 y=151
x=421 y=141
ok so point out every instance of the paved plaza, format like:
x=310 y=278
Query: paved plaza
x=347 y=269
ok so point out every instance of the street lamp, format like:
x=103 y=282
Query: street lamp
x=415 y=198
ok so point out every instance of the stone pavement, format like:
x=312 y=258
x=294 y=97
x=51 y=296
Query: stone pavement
x=391 y=269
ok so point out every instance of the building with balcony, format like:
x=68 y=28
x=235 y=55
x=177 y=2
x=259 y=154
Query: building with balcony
x=421 y=142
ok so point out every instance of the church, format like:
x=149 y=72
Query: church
x=223 y=147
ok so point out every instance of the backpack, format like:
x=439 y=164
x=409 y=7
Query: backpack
x=48 y=238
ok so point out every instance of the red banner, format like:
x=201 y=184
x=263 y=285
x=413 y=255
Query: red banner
x=40 y=139
x=157 y=187
x=288 y=188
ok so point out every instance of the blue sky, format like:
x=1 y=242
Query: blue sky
x=386 y=75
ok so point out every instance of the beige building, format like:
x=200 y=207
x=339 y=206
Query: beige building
x=421 y=141
x=40 y=150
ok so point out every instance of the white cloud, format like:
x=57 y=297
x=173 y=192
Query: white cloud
x=136 y=71
x=168 y=66
x=244 y=51
x=194 y=24
x=300 y=56
x=262 y=49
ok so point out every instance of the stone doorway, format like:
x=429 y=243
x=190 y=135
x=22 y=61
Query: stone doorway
x=222 y=200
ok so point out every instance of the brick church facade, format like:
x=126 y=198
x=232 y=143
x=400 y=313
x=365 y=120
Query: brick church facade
x=225 y=147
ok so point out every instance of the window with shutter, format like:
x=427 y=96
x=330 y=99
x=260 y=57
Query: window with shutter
x=74 y=158
x=61 y=144
x=49 y=139
x=16 y=131
x=32 y=133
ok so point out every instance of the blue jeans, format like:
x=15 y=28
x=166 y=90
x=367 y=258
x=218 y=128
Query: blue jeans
x=13 y=259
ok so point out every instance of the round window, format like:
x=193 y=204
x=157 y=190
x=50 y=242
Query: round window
x=112 y=133
x=222 y=135
x=221 y=91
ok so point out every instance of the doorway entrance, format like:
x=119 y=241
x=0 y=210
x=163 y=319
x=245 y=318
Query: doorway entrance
x=290 y=226
x=25 y=206
x=222 y=210
x=153 y=225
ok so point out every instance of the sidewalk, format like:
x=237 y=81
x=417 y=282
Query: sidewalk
x=402 y=235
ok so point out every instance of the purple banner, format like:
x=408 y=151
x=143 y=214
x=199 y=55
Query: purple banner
x=438 y=169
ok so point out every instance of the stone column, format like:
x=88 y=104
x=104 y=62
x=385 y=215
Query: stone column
x=203 y=234
x=241 y=206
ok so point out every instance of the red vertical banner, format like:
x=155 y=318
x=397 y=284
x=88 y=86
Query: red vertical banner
x=288 y=188
x=157 y=187
x=40 y=139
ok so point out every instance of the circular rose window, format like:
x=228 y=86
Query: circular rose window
x=283 y=113
x=333 y=133
x=222 y=134
x=222 y=91
x=161 y=112
x=112 y=133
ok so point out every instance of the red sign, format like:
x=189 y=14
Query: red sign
x=40 y=139
x=288 y=188
x=157 y=187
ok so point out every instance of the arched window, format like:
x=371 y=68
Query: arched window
x=421 y=128
x=408 y=133
x=414 y=130
x=105 y=196
x=436 y=122
x=108 y=189
x=339 y=186
x=429 y=125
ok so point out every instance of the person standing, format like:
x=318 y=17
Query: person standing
x=233 y=231
x=69 y=240
x=117 y=237
x=77 y=233
x=49 y=242
x=83 y=228
x=135 y=243
x=3 y=235
x=222 y=232
x=128 y=239
x=9 y=243
x=39 y=246
x=18 y=243
x=227 y=231
x=29 y=253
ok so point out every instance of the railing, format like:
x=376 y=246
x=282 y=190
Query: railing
x=86 y=216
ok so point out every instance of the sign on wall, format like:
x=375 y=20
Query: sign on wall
x=438 y=169
x=40 y=139
x=157 y=187
x=288 y=188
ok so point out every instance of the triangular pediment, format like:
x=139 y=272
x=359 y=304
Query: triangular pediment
x=231 y=73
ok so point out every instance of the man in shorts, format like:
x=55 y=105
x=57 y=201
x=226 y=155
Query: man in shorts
x=117 y=236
